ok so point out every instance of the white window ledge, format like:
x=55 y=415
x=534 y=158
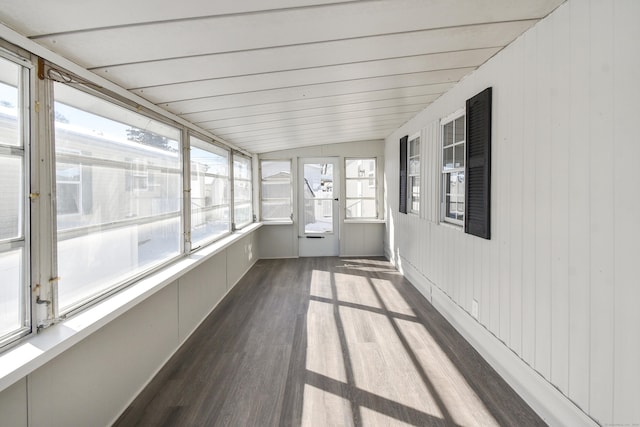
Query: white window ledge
x=280 y=222
x=35 y=350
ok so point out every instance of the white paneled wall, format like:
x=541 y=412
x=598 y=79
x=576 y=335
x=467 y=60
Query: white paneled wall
x=557 y=284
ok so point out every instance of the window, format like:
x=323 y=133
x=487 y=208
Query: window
x=413 y=175
x=453 y=168
x=361 y=188
x=14 y=244
x=209 y=192
x=275 y=176
x=242 y=190
x=106 y=235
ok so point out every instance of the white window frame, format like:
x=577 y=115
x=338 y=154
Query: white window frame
x=25 y=89
x=369 y=178
x=445 y=173
x=416 y=175
x=235 y=224
x=289 y=199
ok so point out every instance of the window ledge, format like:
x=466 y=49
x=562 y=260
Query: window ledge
x=365 y=221
x=36 y=350
x=281 y=222
x=446 y=224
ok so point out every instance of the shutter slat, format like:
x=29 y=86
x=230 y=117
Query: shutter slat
x=403 y=174
x=478 y=165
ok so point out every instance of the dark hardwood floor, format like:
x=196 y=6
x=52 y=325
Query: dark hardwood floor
x=326 y=342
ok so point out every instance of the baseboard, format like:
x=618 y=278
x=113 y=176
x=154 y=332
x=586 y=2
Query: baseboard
x=547 y=401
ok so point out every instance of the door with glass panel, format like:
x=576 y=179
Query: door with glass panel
x=318 y=207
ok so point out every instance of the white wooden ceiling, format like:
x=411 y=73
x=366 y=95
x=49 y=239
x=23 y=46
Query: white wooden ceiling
x=274 y=74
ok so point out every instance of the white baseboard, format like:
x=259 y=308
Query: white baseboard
x=547 y=401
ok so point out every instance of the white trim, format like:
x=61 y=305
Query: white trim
x=451 y=117
x=36 y=350
x=546 y=400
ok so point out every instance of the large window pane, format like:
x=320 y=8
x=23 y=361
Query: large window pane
x=14 y=307
x=276 y=190
x=242 y=191
x=361 y=188
x=209 y=192
x=119 y=186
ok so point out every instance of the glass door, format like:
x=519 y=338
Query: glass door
x=319 y=207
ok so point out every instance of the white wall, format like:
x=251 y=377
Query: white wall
x=557 y=284
x=94 y=381
x=356 y=239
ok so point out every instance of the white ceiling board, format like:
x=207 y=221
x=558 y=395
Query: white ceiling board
x=174 y=39
x=154 y=73
x=37 y=17
x=284 y=144
x=418 y=102
x=204 y=105
x=305 y=104
x=318 y=75
x=374 y=117
x=379 y=112
x=391 y=120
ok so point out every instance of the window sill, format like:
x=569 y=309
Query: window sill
x=36 y=350
x=451 y=225
x=365 y=221
x=281 y=222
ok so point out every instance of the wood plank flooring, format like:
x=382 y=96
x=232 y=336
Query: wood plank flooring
x=326 y=342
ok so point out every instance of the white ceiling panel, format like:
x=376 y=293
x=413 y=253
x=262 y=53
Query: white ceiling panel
x=319 y=75
x=296 y=57
x=273 y=74
x=305 y=104
x=37 y=17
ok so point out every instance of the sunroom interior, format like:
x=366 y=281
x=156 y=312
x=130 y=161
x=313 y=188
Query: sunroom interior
x=152 y=155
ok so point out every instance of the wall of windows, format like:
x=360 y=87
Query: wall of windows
x=276 y=183
x=14 y=244
x=117 y=210
x=361 y=188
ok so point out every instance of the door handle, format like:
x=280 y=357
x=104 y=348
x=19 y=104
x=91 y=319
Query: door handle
x=336 y=199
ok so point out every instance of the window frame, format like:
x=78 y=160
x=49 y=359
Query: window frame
x=26 y=215
x=445 y=173
x=235 y=225
x=142 y=116
x=415 y=176
x=290 y=200
x=368 y=178
x=202 y=142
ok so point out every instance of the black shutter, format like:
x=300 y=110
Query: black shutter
x=477 y=218
x=403 y=173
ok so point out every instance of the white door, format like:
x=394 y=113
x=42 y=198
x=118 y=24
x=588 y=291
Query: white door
x=318 y=210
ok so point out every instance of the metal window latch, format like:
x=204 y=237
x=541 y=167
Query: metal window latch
x=34 y=196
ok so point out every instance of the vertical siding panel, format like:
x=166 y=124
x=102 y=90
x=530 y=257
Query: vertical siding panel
x=543 y=203
x=496 y=184
x=560 y=114
x=515 y=199
x=579 y=205
x=505 y=103
x=602 y=206
x=528 y=192
x=626 y=214
x=477 y=278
